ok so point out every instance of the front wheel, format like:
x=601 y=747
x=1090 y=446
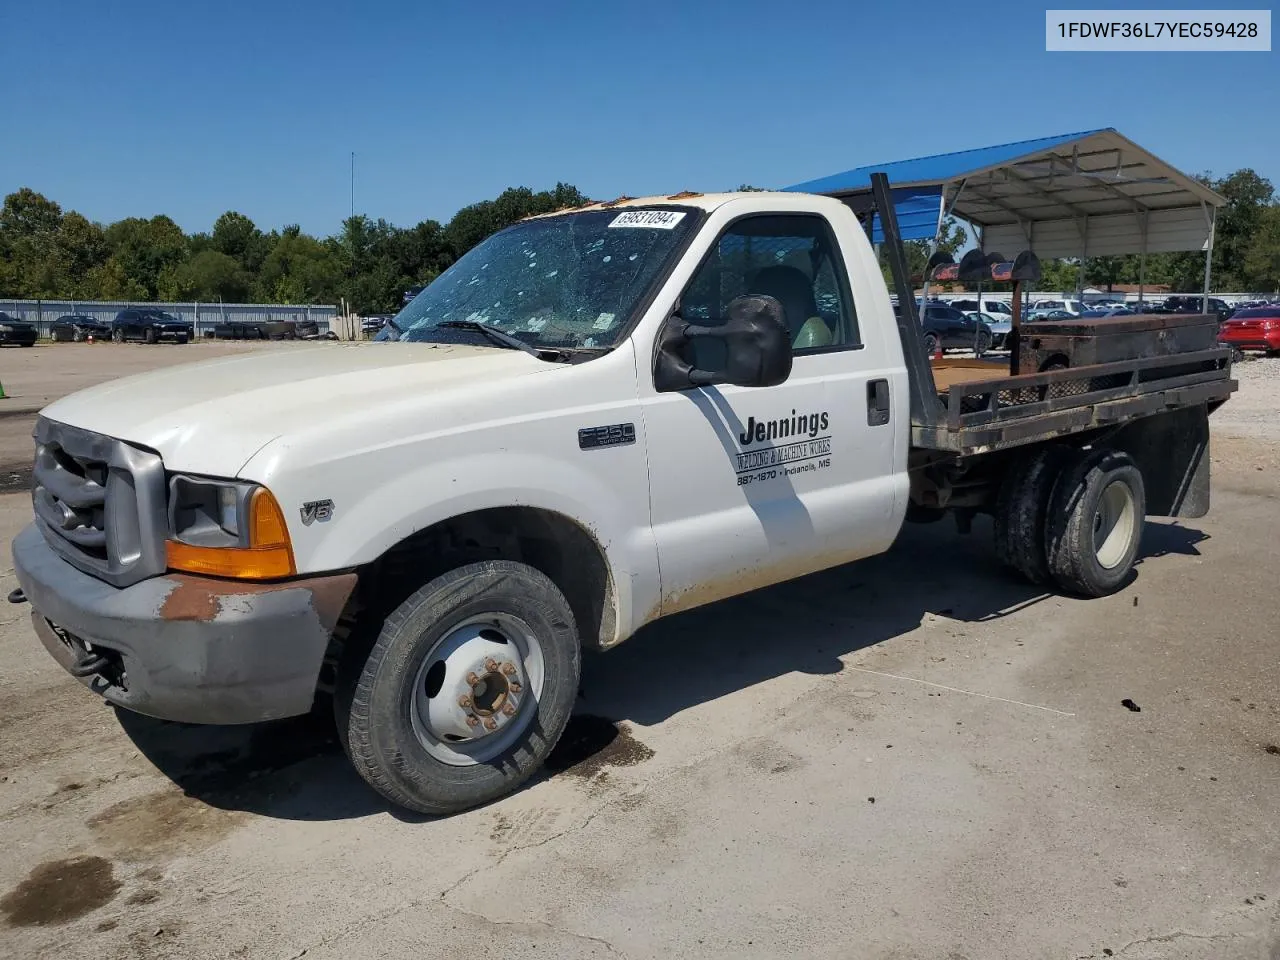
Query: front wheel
x=117 y=335
x=984 y=344
x=465 y=691
x=930 y=344
x=1095 y=523
x=149 y=335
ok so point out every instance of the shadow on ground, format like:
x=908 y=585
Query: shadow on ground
x=295 y=769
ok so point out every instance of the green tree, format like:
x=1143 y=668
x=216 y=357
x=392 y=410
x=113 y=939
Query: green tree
x=237 y=236
x=209 y=275
x=1262 y=260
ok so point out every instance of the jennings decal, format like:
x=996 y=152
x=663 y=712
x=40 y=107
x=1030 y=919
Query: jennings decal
x=808 y=447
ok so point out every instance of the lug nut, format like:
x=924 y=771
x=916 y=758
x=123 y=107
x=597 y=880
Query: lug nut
x=491 y=665
x=509 y=710
x=514 y=686
x=472 y=720
x=464 y=702
x=472 y=679
x=509 y=669
x=491 y=724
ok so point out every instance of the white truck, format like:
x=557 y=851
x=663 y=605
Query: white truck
x=594 y=419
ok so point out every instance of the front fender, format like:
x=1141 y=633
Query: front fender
x=367 y=523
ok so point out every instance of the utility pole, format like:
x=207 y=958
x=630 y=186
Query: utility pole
x=353 y=184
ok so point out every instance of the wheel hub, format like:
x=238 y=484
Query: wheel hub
x=474 y=693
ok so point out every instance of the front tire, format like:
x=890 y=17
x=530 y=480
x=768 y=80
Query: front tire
x=117 y=335
x=1095 y=523
x=465 y=691
x=930 y=344
x=149 y=335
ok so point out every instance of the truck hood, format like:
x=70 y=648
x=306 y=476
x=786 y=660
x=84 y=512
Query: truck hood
x=212 y=416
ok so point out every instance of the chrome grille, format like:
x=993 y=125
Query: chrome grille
x=99 y=502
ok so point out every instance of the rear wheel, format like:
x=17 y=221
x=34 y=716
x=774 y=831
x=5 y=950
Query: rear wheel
x=984 y=344
x=465 y=691
x=930 y=343
x=117 y=335
x=1021 y=510
x=1095 y=523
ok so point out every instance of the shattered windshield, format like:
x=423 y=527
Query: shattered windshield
x=565 y=282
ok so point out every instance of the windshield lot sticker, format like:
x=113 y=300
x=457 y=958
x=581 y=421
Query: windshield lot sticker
x=650 y=219
x=808 y=448
x=604 y=321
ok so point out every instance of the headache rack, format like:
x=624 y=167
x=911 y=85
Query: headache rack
x=986 y=408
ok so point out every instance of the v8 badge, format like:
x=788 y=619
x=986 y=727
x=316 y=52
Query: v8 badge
x=314 y=510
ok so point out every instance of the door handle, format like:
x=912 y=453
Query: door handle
x=877 y=403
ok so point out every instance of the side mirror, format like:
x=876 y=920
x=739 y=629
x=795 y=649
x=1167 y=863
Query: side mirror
x=757 y=346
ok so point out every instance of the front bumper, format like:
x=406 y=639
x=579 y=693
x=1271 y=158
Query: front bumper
x=181 y=647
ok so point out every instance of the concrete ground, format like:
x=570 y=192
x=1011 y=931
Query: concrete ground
x=910 y=757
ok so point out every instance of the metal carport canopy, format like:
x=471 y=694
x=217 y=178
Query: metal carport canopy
x=1095 y=193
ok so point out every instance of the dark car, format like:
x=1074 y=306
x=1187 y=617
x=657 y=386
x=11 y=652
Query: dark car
x=239 y=330
x=149 y=326
x=16 y=332
x=1192 y=304
x=78 y=327
x=949 y=328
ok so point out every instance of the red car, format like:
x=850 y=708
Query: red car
x=1257 y=328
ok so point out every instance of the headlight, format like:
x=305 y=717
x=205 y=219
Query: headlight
x=6 y=328
x=227 y=528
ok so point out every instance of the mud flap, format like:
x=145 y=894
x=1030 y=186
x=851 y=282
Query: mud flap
x=1172 y=451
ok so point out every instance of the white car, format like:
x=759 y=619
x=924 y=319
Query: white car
x=1073 y=307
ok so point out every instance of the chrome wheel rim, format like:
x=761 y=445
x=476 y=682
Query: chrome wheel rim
x=477 y=690
x=1113 y=524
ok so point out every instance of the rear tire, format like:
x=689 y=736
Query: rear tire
x=394 y=705
x=1021 y=511
x=1095 y=523
x=117 y=335
x=930 y=344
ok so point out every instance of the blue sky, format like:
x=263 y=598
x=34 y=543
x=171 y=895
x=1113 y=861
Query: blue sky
x=191 y=109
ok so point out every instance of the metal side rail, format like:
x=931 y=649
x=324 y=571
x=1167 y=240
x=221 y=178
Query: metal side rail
x=992 y=414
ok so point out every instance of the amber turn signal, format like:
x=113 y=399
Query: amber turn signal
x=269 y=555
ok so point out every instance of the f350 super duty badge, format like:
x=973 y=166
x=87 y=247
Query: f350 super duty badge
x=613 y=435
x=314 y=510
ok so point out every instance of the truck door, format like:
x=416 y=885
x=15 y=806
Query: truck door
x=751 y=486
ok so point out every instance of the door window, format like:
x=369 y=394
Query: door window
x=793 y=258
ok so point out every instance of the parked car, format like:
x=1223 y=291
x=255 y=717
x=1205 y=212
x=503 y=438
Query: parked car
x=1038 y=315
x=1194 y=304
x=239 y=330
x=150 y=326
x=371 y=324
x=999 y=308
x=1073 y=307
x=1108 y=312
x=954 y=330
x=78 y=327
x=1257 y=328
x=15 y=331
x=1000 y=327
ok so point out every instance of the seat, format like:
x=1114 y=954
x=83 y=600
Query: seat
x=790 y=287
